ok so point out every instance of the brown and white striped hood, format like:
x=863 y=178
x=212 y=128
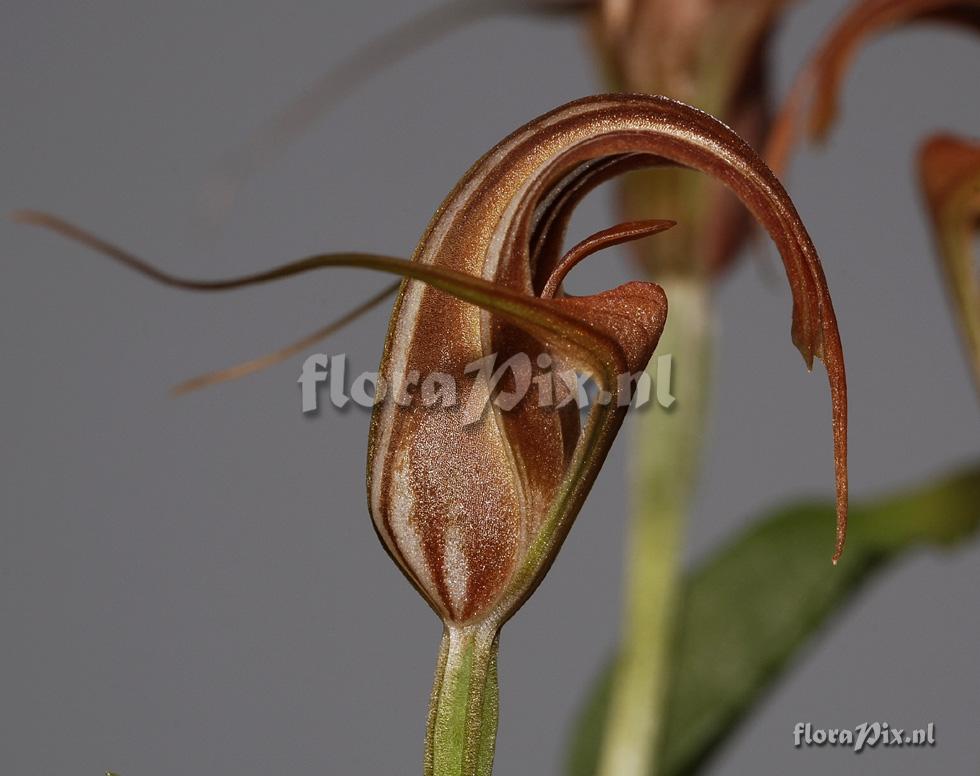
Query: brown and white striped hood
x=473 y=514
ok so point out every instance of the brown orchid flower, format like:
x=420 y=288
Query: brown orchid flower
x=474 y=514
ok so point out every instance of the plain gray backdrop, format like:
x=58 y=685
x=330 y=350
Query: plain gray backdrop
x=193 y=586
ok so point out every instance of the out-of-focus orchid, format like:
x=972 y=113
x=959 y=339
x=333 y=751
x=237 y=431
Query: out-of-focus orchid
x=812 y=104
x=948 y=167
x=950 y=174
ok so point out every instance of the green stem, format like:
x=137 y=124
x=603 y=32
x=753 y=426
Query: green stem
x=665 y=465
x=462 y=727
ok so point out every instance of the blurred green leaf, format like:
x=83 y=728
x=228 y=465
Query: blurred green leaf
x=750 y=608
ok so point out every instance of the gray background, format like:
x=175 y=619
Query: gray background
x=193 y=587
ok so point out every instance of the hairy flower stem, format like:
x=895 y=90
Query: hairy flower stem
x=462 y=728
x=665 y=466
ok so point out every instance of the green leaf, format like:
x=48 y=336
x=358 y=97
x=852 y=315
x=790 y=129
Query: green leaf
x=763 y=597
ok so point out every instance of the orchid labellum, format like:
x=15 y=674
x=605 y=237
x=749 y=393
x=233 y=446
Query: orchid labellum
x=474 y=514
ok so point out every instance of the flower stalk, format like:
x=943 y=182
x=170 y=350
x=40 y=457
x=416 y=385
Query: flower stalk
x=666 y=453
x=462 y=727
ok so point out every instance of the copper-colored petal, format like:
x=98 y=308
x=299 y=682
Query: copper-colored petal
x=815 y=95
x=949 y=169
x=548 y=238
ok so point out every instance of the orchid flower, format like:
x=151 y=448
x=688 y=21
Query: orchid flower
x=713 y=54
x=815 y=96
x=474 y=515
